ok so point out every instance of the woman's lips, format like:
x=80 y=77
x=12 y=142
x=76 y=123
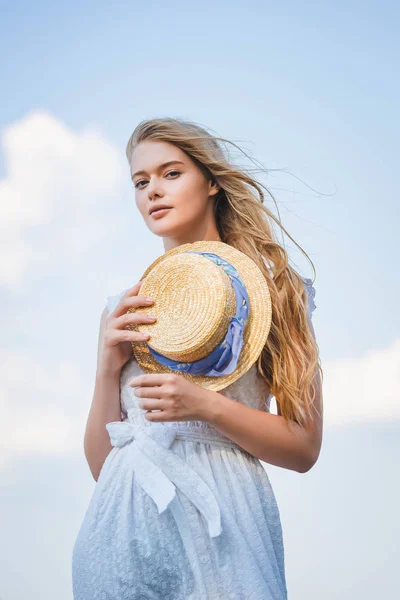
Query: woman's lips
x=157 y=214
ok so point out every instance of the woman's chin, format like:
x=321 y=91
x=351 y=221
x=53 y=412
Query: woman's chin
x=165 y=229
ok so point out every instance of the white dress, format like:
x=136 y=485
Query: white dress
x=179 y=511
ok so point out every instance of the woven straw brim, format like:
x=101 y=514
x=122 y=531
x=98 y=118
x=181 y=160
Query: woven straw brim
x=256 y=329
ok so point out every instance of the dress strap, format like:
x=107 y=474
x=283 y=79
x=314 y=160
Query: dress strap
x=310 y=290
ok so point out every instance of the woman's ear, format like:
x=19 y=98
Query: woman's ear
x=214 y=185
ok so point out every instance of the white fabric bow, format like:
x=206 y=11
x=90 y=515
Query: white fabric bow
x=159 y=471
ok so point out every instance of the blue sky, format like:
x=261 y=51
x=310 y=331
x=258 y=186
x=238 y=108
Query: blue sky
x=310 y=89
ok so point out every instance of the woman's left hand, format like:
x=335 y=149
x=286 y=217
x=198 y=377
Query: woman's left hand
x=177 y=398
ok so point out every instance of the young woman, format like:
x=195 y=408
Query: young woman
x=125 y=548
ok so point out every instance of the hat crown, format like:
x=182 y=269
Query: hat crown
x=248 y=328
x=194 y=300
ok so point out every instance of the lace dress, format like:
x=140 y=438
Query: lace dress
x=179 y=511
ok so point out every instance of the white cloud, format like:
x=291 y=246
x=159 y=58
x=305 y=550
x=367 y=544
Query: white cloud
x=55 y=179
x=363 y=389
x=43 y=408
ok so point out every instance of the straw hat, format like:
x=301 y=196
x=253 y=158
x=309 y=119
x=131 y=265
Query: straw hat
x=195 y=288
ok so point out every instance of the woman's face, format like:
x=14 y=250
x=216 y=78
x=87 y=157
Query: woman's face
x=180 y=185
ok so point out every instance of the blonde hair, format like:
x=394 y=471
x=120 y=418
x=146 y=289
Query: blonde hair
x=290 y=357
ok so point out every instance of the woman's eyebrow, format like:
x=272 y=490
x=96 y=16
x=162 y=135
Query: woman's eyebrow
x=160 y=167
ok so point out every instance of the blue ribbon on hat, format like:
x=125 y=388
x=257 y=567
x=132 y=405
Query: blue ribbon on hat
x=224 y=358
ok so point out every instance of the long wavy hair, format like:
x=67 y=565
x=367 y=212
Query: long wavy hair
x=289 y=361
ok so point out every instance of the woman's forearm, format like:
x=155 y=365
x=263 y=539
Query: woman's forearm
x=104 y=409
x=264 y=435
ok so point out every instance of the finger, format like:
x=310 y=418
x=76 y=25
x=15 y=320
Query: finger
x=134 y=288
x=146 y=404
x=159 y=417
x=131 y=299
x=149 y=392
x=151 y=379
x=129 y=320
x=133 y=291
x=126 y=335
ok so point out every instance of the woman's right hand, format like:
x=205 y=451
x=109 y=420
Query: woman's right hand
x=116 y=340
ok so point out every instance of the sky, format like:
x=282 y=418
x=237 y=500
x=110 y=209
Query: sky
x=307 y=89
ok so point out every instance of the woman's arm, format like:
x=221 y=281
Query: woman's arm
x=267 y=436
x=104 y=409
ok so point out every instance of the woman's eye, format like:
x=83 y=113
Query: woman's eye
x=170 y=173
x=136 y=185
